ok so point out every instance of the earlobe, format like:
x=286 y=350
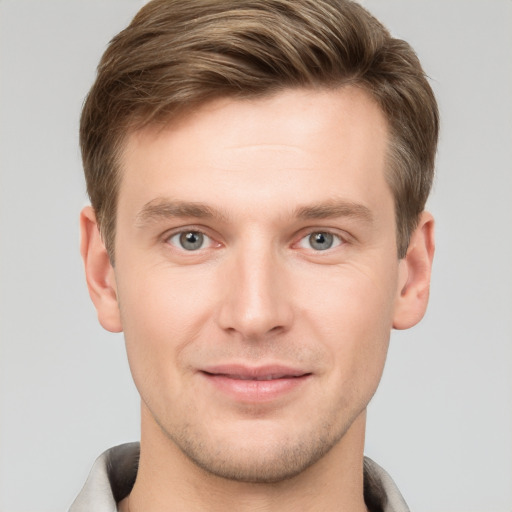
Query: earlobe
x=99 y=272
x=414 y=275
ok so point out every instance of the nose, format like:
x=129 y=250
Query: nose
x=257 y=299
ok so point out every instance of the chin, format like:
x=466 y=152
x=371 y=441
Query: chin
x=259 y=458
x=272 y=464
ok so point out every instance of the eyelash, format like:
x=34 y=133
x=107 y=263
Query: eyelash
x=168 y=238
x=336 y=240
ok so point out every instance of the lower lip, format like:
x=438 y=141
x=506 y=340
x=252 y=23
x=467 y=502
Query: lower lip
x=256 y=390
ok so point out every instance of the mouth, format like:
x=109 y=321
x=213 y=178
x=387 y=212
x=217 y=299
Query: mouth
x=255 y=384
x=258 y=378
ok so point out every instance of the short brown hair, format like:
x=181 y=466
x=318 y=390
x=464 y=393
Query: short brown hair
x=177 y=54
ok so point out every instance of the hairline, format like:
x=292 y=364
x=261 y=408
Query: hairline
x=138 y=123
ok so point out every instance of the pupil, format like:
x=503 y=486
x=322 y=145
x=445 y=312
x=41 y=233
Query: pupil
x=321 y=241
x=191 y=240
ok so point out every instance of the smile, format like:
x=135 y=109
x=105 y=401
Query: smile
x=263 y=377
x=251 y=385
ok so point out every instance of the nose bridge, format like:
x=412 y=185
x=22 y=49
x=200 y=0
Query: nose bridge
x=256 y=301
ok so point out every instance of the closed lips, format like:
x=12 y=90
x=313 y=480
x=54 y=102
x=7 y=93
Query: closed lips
x=258 y=377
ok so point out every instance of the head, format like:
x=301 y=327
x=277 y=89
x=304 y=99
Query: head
x=176 y=56
x=254 y=168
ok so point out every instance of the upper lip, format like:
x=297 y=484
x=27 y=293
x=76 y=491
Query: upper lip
x=245 y=372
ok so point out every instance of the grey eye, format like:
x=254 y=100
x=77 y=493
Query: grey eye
x=321 y=241
x=189 y=240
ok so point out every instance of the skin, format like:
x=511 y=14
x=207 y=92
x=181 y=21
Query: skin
x=267 y=174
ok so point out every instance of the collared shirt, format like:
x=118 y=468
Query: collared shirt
x=113 y=475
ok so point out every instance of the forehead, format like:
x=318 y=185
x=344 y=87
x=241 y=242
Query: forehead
x=297 y=141
x=284 y=111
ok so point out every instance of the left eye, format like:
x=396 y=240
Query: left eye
x=190 y=240
x=320 y=241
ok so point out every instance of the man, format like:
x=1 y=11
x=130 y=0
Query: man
x=258 y=172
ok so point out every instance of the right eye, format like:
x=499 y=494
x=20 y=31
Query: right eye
x=190 y=240
x=320 y=241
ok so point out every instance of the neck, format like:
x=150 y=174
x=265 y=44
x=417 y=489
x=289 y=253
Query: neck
x=168 y=480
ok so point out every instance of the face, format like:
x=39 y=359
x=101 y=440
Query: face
x=257 y=276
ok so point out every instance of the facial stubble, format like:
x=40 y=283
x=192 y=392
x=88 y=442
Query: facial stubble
x=278 y=460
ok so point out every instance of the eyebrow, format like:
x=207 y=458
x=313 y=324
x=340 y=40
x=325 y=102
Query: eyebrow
x=163 y=208
x=333 y=209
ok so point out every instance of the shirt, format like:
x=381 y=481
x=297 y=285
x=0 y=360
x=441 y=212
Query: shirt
x=113 y=475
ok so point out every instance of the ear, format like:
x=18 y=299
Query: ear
x=414 y=275
x=99 y=272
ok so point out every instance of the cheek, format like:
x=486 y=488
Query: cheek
x=352 y=312
x=161 y=315
x=351 y=297
x=163 y=304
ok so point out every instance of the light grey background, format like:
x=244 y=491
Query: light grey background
x=441 y=422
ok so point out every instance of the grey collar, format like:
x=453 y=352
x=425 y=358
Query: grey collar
x=112 y=477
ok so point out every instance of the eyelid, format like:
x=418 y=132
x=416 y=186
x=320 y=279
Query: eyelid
x=166 y=237
x=342 y=238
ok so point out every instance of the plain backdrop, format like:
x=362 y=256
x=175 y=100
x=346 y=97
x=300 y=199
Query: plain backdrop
x=441 y=422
